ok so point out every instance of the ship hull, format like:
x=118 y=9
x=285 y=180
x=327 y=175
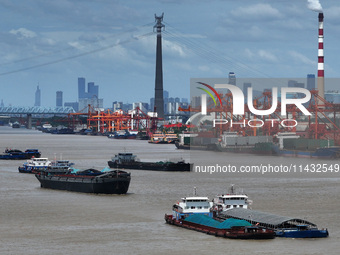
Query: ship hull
x=321 y=153
x=310 y=233
x=233 y=233
x=153 y=166
x=85 y=184
x=18 y=155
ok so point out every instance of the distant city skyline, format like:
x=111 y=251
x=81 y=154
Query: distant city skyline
x=113 y=44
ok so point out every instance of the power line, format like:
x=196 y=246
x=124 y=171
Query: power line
x=209 y=53
x=78 y=55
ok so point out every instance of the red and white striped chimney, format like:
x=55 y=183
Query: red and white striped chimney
x=321 y=67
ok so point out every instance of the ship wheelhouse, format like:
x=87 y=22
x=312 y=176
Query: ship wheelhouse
x=192 y=205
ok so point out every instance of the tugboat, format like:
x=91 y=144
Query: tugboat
x=34 y=165
x=195 y=213
x=18 y=154
x=130 y=161
x=87 y=181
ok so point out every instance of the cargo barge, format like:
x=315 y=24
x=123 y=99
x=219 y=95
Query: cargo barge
x=87 y=181
x=283 y=226
x=129 y=161
x=292 y=145
x=195 y=213
x=18 y=154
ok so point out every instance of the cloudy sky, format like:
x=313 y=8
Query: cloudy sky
x=110 y=42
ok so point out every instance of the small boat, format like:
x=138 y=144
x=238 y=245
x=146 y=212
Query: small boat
x=171 y=137
x=18 y=154
x=130 y=161
x=87 y=181
x=123 y=134
x=16 y=125
x=34 y=165
x=195 y=213
x=158 y=137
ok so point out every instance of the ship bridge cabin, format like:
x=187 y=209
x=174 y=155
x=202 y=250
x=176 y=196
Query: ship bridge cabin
x=229 y=201
x=192 y=205
x=39 y=162
x=124 y=157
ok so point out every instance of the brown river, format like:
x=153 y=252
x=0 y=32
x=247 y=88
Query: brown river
x=41 y=221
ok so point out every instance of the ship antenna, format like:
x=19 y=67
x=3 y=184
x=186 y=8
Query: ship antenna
x=232 y=189
x=195 y=193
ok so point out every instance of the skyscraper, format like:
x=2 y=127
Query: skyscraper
x=310 y=81
x=59 y=99
x=37 y=101
x=92 y=90
x=232 y=78
x=81 y=87
x=246 y=85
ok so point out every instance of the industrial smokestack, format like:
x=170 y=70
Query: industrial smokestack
x=321 y=67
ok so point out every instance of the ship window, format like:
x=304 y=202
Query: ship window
x=241 y=206
x=235 y=206
x=187 y=207
x=192 y=207
x=199 y=207
x=228 y=206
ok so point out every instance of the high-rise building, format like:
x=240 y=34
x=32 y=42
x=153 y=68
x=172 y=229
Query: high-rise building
x=232 y=78
x=92 y=90
x=184 y=100
x=90 y=97
x=246 y=85
x=165 y=94
x=292 y=83
x=117 y=106
x=37 y=101
x=59 y=99
x=142 y=106
x=94 y=102
x=74 y=105
x=152 y=104
x=81 y=87
x=310 y=81
x=195 y=101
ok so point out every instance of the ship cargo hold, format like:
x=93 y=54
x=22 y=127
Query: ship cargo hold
x=282 y=225
x=112 y=182
x=229 y=228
